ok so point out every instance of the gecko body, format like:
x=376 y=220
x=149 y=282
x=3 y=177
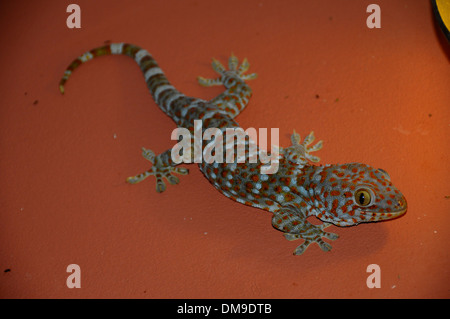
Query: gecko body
x=343 y=195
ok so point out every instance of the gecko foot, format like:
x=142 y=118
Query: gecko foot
x=314 y=235
x=226 y=76
x=300 y=152
x=159 y=170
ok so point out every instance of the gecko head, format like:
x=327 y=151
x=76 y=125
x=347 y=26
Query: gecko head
x=355 y=193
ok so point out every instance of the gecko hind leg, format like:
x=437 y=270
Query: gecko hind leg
x=162 y=168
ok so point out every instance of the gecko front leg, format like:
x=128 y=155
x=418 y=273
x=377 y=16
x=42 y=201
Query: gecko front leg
x=293 y=223
x=238 y=93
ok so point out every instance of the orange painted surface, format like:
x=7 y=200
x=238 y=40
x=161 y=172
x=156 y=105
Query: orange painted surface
x=377 y=96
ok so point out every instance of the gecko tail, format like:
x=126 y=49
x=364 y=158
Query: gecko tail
x=158 y=84
x=89 y=55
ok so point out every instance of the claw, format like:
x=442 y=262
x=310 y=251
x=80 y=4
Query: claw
x=323 y=245
x=148 y=155
x=181 y=170
x=209 y=82
x=301 y=249
x=160 y=186
x=309 y=139
x=139 y=178
x=233 y=63
x=217 y=66
x=251 y=76
x=295 y=138
x=244 y=67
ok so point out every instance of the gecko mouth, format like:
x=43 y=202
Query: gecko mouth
x=399 y=213
x=389 y=215
x=395 y=212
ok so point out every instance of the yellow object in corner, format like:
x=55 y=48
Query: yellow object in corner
x=441 y=9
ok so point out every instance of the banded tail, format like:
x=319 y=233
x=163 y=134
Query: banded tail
x=162 y=91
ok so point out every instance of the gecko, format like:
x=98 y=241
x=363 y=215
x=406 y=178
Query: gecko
x=336 y=194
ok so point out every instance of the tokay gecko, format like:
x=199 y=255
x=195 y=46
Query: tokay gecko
x=343 y=194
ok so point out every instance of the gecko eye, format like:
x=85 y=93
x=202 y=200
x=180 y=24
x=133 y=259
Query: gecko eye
x=363 y=197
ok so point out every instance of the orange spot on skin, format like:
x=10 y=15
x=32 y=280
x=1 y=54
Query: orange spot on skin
x=295 y=191
x=334 y=207
x=301 y=180
x=323 y=176
x=288 y=197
